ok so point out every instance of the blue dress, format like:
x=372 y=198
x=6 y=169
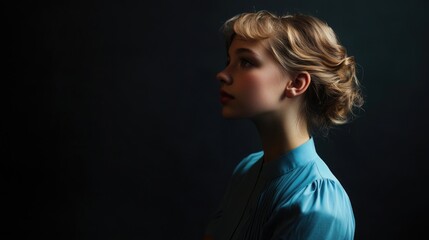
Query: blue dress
x=293 y=197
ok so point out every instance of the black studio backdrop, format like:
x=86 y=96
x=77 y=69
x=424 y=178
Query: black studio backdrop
x=112 y=128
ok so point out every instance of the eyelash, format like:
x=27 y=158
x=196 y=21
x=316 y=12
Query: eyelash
x=244 y=63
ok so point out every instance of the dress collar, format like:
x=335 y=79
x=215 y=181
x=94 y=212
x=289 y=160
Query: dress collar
x=297 y=157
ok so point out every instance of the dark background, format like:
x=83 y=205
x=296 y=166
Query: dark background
x=112 y=126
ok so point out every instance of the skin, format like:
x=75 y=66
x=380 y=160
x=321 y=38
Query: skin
x=266 y=94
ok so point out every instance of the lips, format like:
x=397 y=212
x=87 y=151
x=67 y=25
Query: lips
x=225 y=97
x=225 y=94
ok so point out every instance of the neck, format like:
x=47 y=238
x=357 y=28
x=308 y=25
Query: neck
x=280 y=135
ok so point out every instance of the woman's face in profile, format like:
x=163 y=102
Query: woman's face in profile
x=252 y=83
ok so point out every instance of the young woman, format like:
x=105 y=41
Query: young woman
x=291 y=77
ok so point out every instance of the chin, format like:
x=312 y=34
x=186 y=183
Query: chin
x=230 y=114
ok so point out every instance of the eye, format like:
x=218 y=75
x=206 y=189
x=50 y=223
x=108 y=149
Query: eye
x=244 y=63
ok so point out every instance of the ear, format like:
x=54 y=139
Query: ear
x=298 y=84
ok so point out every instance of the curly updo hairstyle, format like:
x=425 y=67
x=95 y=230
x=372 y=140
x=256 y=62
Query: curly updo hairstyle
x=305 y=43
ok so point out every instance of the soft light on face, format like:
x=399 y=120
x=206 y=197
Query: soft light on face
x=253 y=82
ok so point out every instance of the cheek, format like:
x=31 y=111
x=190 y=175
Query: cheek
x=262 y=90
x=251 y=87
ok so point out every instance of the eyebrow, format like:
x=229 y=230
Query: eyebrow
x=245 y=50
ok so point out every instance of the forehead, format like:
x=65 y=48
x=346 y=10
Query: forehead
x=257 y=46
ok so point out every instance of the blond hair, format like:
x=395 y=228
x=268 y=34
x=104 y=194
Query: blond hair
x=305 y=43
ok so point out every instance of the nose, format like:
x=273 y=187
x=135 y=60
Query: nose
x=224 y=77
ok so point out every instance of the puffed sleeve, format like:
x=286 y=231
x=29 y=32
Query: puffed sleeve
x=322 y=210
